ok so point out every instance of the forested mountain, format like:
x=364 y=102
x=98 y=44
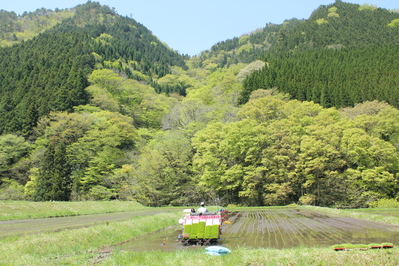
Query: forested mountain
x=49 y=72
x=15 y=28
x=342 y=55
x=97 y=108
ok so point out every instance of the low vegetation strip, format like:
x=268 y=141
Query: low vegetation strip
x=301 y=256
x=12 y=210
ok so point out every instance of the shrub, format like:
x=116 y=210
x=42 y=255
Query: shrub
x=384 y=203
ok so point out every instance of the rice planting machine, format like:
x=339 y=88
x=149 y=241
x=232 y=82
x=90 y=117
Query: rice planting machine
x=202 y=228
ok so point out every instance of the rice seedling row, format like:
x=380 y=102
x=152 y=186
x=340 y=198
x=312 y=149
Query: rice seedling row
x=290 y=227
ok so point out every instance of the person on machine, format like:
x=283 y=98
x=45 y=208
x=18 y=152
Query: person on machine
x=202 y=209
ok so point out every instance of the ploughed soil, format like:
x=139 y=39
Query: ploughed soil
x=33 y=226
x=279 y=228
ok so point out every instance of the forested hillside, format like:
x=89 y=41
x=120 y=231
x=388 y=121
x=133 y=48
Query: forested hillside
x=342 y=55
x=15 y=29
x=97 y=108
x=49 y=72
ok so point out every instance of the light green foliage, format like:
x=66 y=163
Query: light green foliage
x=114 y=93
x=221 y=87
x=225 y=155
x=94 y=151
x=369 y=108
x=106 y=79
x=307 y=199
x=394 y=23
x=362 y=149
x=162 y=171
x=194 y=137
x=243 y=39
x=321 y=21
x=180 y=80
x=246 y=71
x=332 y=9
x=333 y=15
x=384 y=203
x=304 y=149
x=11 y=190
x=12 y=148
x=99 y=192
x=332 y=12
x=263 y=109
x=104 y=38
x=188 y=111
x=152 y=109
x=100 y=148
x=381 y=123
x=30 y=186
x=245 y=48
x=31 y=24
x=102 y=98
x=368 y=7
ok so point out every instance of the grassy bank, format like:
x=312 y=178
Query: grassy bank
x=257 y=257
x=11 y=210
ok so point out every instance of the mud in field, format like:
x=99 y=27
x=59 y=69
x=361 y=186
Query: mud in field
x=164 y=240
x=279 y=228
x=392 y=212
x=34 y=226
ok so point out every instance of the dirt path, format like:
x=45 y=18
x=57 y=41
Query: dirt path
x=33 y=226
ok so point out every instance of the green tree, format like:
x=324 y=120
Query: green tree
x=12 y=149
x=54 y=182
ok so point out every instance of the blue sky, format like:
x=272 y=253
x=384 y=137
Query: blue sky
x=191 y=27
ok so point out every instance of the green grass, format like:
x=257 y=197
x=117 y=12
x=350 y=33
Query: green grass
x=362 y=246
x=257 y=257
x=11 y=210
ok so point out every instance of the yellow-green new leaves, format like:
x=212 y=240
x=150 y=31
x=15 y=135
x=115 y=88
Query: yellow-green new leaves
x=394 y=23
x=12 y=148
x=284 y=152
x=225 y=154
x=263 y=109
x=113 y=93
x=85 y=149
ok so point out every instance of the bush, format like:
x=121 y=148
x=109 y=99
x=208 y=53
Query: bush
x=384 y=203
x=11 y=190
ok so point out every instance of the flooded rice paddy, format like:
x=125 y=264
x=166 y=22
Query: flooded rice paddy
x=34 y=226
x=278 y=228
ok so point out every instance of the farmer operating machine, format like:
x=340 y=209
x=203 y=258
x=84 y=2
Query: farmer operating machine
x=202 y=228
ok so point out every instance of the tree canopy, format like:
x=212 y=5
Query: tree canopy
x=95 y=107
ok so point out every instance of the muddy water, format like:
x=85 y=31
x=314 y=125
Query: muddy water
x=279 y=228
x=34 y=226
x=164 y=240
